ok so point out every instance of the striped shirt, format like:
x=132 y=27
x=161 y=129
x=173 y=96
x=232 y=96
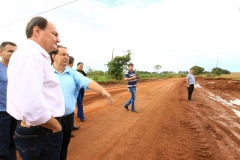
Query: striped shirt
x=131 y=83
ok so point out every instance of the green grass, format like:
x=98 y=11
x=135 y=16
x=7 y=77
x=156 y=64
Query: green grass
x=106 y=77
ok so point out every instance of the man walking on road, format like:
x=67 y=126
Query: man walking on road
x=71 y=81
x=131 y=78
x=190 y=83
x=80 y=94
x=34 y=95
x=7 y=123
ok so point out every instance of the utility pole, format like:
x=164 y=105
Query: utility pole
x=111 y=64
x=217 y=63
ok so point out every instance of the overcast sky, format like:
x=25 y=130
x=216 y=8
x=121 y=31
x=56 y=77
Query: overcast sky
x=176 y=34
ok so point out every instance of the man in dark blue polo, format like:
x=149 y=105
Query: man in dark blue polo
x=80 y=94
x=131 y=78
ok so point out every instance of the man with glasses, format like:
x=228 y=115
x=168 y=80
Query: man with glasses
x=71 y=81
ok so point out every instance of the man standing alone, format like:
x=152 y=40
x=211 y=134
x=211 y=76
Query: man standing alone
x=7 y=123
x=190 y=82
x=131 y=78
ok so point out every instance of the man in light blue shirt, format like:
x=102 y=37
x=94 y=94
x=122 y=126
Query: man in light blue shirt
x=7 y=122
x=71 y=81
x=190 y=83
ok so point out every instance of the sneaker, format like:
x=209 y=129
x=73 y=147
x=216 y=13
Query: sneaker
x=134 y=111
x=190 y=100
x=126 y=107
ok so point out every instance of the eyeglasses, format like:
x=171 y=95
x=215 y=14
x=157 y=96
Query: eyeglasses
x=63 y=54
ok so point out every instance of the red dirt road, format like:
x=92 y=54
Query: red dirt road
x=167 y=127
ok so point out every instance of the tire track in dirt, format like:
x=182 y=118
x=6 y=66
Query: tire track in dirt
x=167 y=126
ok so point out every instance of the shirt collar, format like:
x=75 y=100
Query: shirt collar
x=35 y=44
x=65 y=71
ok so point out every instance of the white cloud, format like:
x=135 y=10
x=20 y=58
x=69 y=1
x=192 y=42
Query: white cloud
x=175 y=34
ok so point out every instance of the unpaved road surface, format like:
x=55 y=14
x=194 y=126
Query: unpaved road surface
x=167 y=127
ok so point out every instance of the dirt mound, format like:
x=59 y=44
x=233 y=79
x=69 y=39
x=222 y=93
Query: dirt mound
x=221 y=84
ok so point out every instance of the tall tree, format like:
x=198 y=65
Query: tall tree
x=118 y=64
x=157 y=67
x=198 y=69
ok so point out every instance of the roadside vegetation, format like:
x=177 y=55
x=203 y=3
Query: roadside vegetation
x=118 y=65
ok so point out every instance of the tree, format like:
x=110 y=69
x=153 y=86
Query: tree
x=157 y=67
x=118 y=64
x=219 y=71
x=198 y=69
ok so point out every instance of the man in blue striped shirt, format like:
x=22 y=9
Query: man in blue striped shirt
x=131 y=78
x=71 y=81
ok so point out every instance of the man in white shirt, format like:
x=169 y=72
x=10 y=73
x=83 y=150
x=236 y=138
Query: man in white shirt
x=34 y=95
x=190 y=84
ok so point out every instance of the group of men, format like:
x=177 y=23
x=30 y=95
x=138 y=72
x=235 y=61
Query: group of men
x=38 y=99
x=39 y=91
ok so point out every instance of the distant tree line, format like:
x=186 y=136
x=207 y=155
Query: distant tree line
x=215 y=71
x=118 y=65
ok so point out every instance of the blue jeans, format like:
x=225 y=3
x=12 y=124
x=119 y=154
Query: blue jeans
x=38 y=143
x=79 y=103
x=7 y=127
x=67 y=126
x=132 y=91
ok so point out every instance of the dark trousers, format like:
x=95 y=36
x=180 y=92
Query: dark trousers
x=80 y=105
x=7 y=127
x=190 y=91
x=67 y=125
x=38 y=143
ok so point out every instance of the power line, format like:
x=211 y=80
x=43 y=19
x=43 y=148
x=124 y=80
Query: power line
x=37 y=14
x=67 y=15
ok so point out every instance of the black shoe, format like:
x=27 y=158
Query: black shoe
x=126 y=108
x=134 y=111
x=76 y=127
x=82 y=120
x=72 y=135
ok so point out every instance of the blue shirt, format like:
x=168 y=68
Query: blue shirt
x=191 y=79
x=3 y=87
x=71 y=81
x=129 y=74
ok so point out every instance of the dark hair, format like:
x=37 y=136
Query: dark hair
x=130 y=64
x=3 y=44
x=56 y=52
x=35 y=21
x=79 y=63
x=71 y=60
